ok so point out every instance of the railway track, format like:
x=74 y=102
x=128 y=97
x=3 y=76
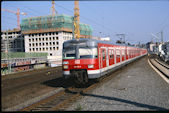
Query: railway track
x=162 y=63
x=61 y=100
x=16 y=82
x=160 y=67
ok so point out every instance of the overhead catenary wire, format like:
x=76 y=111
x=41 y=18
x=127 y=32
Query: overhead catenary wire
x=85 y=18
x=90 y=20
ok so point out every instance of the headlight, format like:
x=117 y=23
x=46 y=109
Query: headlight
x=65 y=62
x=65 y=67
x=90 y=66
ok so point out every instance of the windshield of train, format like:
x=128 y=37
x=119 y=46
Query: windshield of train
x=69 y=53
x=87 y=53
x=82 y=53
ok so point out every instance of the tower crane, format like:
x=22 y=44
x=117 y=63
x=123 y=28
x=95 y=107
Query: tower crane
x=18 y=13
x=53 y=8
x=76 y=19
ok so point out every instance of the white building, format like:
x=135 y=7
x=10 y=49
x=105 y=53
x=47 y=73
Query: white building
x=50 y=42
x=105 y=38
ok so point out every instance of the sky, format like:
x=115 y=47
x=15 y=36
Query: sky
x=139 y=20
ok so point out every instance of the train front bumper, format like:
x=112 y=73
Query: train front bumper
x=92 y=74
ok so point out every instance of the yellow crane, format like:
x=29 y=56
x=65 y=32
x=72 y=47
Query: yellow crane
x=54 y=12
x=76 y=19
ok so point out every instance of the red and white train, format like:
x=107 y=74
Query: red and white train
x=86 y=59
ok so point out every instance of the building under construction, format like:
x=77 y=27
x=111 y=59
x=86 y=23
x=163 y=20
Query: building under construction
x=47 y=34
x=12 y=41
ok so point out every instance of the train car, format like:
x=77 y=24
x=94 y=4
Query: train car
x=86 y=59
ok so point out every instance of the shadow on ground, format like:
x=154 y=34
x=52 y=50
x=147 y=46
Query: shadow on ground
x=150 y=107
x=58 y=82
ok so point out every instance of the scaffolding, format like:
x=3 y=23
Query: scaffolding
x=52 y=23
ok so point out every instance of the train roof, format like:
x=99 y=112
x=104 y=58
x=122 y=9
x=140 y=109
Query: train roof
x=94 y=41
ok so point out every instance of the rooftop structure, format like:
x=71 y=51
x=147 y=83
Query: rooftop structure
x=53 y=24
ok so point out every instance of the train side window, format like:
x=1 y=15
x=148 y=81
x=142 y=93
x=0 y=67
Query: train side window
x=118 y=53
x=103 y=54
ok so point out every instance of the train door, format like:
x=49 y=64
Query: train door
x=127 y=53
x=111 y=57
x=118 y=57
x=103 y=58
x=107 y=58
x=123 y=54
x=114 y=50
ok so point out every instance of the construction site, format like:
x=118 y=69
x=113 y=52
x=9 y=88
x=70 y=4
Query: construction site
x=42 y=35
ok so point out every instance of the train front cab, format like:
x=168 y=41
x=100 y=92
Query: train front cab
x=80 y=60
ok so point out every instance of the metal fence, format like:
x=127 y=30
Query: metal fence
x=11 y=55
x=14 y=62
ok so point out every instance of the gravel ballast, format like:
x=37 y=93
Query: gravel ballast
x=136 y=87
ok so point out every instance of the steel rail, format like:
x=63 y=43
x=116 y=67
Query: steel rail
x=164 y=65
x=159 y=70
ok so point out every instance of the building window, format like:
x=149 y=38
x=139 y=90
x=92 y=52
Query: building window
x=36 y=39
x=57 y=48
x=43 y=44
x=56 y=38
x=39 y=49
x=50 y=54
x=39 y=39
x=50 y=48
x=39 y=44
x=46 y=39
x=47 y=43
x=47 y=48
x=29 y=40
x=43 y=39
x=29 y=45
x=53 y=38
x=32 y=39
x=50 y=38
x=50 y=43
x=33 y=44
x=43 y=49
x=36 y=49
x=33 y=49
x=57 y=43
x=53 y=48
x=53 y=43
x=29 y=49
x=36 y=44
